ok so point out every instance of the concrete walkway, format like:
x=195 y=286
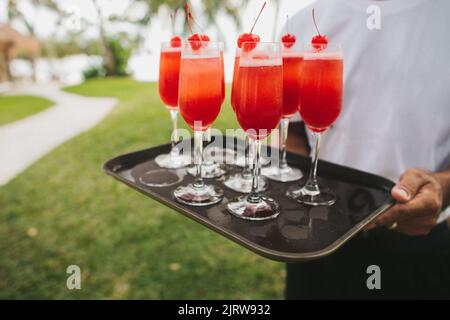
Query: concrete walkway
x=25 y=141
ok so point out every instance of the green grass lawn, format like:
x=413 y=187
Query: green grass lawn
x=64 y=210
x=13 y=108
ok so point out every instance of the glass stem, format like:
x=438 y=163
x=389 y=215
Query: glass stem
x=174 y=116
x=254 y=196
x=198 y=159
x=247 y=172
x=311 y=185
x=208 y=135
x=284 y=127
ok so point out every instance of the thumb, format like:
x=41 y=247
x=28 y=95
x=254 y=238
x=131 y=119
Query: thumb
x=408 y=186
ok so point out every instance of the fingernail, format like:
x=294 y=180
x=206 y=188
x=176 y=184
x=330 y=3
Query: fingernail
x=403 y=193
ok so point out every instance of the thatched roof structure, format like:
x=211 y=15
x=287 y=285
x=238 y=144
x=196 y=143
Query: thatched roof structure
x=12 y=45
x=18 y=43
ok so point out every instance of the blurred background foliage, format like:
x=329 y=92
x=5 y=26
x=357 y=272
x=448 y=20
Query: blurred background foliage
x=114 y=49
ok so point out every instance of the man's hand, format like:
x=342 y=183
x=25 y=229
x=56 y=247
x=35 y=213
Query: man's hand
x=420 y=199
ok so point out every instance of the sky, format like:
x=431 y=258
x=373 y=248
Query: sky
x=144 y=64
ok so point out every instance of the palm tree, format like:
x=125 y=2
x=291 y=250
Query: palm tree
x=210 y=9
x=108 y=59
x=107 y=44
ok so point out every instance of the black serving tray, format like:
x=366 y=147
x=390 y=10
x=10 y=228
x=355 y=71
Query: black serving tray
x=300 y=233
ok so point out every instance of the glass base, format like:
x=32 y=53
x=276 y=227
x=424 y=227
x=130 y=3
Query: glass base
x=287 y=174
x=325 y=197
x=239 y=183
x=265 y=209
x=191 y=196
x=209 y=170
x=169 y=161
x=160 y=178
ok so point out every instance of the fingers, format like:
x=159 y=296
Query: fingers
x=423 y=205
x=400 y=194
x=413 y=230
x=403 y=212
x=419 y=215
x=409 y=185
x=417 y=227
x=419 y=202
x=370 y=226
x=421 y=224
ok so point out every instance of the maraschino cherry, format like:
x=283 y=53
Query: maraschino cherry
x=319 y=41
x=175 y=42
x=288 y=39
x=195 y=37
x=250 y=37
x=199 y=37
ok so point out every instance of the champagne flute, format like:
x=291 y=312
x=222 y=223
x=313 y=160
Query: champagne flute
x=169 y=74
x=320 y=106
x=292 y=70
x=242 y=182
x=169 y=71
x=259 y=105
x=201 y=90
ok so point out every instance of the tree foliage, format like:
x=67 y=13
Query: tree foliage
x=15 y=14
x=210 y=10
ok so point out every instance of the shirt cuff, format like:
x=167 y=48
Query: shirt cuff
x=445 y=215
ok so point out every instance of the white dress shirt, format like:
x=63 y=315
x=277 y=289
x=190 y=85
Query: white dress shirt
x=396 y=105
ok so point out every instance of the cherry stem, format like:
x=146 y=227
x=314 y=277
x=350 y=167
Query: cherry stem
x=314 y=19
x=172 y=20
x=189 y=17
x=257 y=18
x=287 y=24
x=196 y=23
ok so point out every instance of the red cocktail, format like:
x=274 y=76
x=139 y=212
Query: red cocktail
x=321 y=90
x=169 y=74
x=292 y=75
x=235 y=79
x=222 y=71
x=259 y=101
x=201 y=92
x=242 y=182
x=259 y=106
x=210 y=168
x=320 y=105
x=292 y=72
